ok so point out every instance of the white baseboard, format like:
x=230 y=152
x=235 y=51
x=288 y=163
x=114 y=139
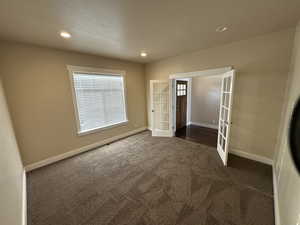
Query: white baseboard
x=24 y=199
x=80 y=150
x=254 y=157
x=276 y=200
x=213 y=126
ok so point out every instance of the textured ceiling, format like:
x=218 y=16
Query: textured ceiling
x=123 y=28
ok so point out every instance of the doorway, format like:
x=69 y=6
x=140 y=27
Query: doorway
x=164 y=107
x=203 y=94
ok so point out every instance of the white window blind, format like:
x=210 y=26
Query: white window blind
x=100 y=100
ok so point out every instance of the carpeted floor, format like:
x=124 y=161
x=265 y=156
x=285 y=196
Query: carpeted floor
x=144 y=180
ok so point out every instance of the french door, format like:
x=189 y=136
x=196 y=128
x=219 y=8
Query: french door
x=225 y=115
x=160 y=111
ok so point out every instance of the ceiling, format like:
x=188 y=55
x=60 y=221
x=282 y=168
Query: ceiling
x=124 y=28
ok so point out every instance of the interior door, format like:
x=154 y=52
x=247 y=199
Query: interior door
x=160 y=110
x=225 y=115
x=181 y=103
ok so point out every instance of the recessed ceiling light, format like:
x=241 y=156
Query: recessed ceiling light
x=65 y=34
x=143 y=54
x=221 y=29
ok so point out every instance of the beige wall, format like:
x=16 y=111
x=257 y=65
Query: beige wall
x=262 y=66
x=11 y=170
x=288 y=180
x=205 y=100
x=39 y=95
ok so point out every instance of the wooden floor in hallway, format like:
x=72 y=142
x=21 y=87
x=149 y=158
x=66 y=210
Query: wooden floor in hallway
x=199 y=134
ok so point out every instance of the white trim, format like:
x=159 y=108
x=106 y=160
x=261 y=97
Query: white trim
x=251 y=156
x=210 y=72
x=276 y=198
x=123 y=123
x=189 y=100
x=99 y=71
x=24 y=199
x=174 y=102
x=81 y=150
x=96 y=70
x=212 y=126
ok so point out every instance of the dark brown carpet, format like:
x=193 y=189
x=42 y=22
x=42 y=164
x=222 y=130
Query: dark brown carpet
x=144 y=180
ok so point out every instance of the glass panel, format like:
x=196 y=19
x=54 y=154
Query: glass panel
x=156 y=97
x=221 y=128
x=156 y=89
x=164 y=126
x=164 y=108
x=165 y=117
x=224 y=84
x=164 y=98
x=220 y=139
x=225 y=114
x=225 y=130
x=156 y=107
x=227 y=100
x=223 y=144
x=157 y=118
x=229 y=84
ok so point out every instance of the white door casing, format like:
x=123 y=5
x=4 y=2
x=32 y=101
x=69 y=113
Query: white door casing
x=160 y=95
x=225 y=115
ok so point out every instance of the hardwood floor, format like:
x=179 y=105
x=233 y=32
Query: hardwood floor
x=202 y=135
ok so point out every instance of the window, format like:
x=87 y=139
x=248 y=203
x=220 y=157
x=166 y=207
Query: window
x=181 y=89
x=99 y=98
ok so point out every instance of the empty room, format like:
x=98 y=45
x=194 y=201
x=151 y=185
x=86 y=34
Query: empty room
x=149 y=112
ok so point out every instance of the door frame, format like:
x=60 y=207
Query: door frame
x=175 y=76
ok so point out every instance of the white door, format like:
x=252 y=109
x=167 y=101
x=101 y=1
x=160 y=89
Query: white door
x=225 y=115
x=160 y=112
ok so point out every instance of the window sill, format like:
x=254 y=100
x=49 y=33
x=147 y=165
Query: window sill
x=85 y=132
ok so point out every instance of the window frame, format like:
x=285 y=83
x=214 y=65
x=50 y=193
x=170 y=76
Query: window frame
x=96 y=71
